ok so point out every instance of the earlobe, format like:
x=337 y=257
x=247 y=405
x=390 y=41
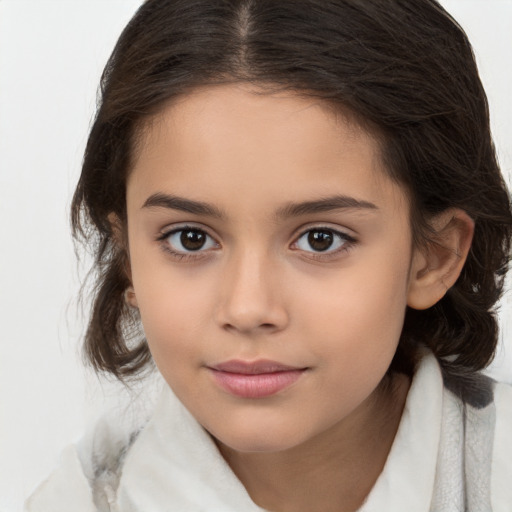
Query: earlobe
x=116 y=227
x=120 y=240
x=436 y=267
x=130 y=298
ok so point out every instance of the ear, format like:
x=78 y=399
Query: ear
x=436 y=267
x=117 y=228
x=120 y=239
x=130 y=297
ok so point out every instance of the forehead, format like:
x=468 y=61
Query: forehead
x=223 y=110
x=234 y=140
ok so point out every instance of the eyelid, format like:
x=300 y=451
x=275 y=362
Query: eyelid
x=180 y=226
x=343 y=231
x=349 y=242
x=168 y=231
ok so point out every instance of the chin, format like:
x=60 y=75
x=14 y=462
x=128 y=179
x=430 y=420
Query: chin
x=258 y=441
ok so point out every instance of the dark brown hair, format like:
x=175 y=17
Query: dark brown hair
x=404 y=68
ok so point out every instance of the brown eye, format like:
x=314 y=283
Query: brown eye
x=192 y=239
x=323 y=240
x=185 y=240
x=320 y=240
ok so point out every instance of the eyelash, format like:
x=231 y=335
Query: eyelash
x=162 y=238
x=348 y=243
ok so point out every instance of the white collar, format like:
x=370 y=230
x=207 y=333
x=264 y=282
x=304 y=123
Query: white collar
x=407 y=480
x=175 y=465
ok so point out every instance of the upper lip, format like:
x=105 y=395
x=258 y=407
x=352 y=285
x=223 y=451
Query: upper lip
x=253 y=367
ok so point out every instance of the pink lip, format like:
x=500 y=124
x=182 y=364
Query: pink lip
x=257 y=379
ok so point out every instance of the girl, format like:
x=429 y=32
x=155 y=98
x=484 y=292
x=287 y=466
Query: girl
x=299 y=221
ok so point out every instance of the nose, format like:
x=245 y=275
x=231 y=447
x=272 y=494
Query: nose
x=250 y=301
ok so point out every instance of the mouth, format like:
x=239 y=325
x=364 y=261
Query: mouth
x=255 y=379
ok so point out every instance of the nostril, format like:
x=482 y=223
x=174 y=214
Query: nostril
x=266 y=326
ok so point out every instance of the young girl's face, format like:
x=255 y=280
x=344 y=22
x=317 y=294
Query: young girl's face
x=270 y=257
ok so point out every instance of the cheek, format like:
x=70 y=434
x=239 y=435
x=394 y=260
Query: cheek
x=171 y=311
x=356 y=334
x=358 y=315
x=173 y=324
x=172 y=306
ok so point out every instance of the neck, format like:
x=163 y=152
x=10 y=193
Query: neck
x=334 y=471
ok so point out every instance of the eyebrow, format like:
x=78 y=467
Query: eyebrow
x=326 y=204
x=160 y=200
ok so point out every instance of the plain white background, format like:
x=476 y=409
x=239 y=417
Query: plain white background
x=51 y=56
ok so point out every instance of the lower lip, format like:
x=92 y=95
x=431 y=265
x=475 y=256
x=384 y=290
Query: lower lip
x=256 y=385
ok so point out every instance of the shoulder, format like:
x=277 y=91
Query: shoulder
x=487 y=413
x=502 y=453
x=67 y=488
x=88 y=473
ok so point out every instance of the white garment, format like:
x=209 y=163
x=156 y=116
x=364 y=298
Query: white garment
x=447 y=456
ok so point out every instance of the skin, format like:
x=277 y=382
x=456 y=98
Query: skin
x=258 y=290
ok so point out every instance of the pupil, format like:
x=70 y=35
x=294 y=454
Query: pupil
x=320 y=240
x=192 y=240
